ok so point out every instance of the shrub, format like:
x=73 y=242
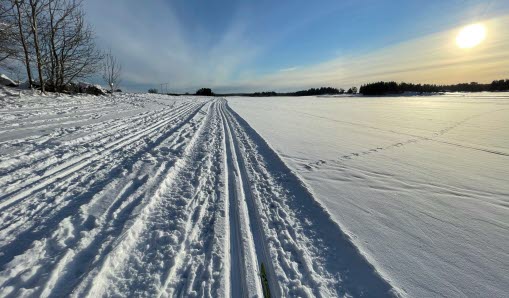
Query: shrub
x=205 y=92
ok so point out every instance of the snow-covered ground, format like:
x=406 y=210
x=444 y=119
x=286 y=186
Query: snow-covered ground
x=152 y=195
x=421 y=184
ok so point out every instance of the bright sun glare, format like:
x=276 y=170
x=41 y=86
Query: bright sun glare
x=470 y=36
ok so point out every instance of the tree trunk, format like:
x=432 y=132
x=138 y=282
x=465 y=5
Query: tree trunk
x=33 y=5
x=54 y=57
x=23 y=43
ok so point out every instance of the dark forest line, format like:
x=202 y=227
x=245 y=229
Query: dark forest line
x=384 y=88
x=370 y=89
x=308 y=92
x=387 y=88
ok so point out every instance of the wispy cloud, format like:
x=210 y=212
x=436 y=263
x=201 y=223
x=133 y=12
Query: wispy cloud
x=155 y=45
x=289 y=69
x=432 y=58
x=156 y=48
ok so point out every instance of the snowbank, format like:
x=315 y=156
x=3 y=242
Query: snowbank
x=419 y=183
x=6 y=81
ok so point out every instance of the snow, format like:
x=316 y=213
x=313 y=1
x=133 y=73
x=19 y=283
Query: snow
x=419 y=183
x=6 y=81
x=152 y=195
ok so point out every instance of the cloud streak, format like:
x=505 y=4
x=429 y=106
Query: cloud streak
x=430 y=59
x=157 y=46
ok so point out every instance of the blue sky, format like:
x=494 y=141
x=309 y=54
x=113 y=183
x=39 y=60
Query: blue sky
x=286 y=45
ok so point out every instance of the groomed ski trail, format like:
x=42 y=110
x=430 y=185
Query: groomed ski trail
x=158 y=196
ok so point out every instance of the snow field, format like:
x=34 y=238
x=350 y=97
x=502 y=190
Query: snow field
x=158 y=196
x=419 y=183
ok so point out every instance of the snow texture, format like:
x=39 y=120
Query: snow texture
x=420 y=184
x=6 y=81
x=155 y=196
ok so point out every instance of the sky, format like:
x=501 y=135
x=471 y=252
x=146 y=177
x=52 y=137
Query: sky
x=265 y=45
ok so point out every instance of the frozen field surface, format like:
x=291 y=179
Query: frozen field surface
x=156 y=196
x=420 y=184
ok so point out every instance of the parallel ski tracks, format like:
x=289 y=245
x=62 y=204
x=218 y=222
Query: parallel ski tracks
x=134 y=240
x=177 y=125
x=261 y=243
x=183 y=201
x=74 y=164
x=99 y=133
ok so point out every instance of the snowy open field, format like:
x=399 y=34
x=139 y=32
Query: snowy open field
x=146 y=195
x=151 y=195
x=421 y=184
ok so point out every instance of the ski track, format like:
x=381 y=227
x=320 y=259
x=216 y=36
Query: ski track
x=158 y=196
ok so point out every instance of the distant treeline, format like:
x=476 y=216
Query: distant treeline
x=309 y=92
x=382 y=88
x=378 y=88
x=204 y=92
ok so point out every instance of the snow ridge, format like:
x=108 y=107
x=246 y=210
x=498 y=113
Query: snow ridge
x=157 y=196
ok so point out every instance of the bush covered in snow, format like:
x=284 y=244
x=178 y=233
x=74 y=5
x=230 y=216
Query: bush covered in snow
x=6 y=81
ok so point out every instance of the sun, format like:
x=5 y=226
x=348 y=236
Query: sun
x=471 y=36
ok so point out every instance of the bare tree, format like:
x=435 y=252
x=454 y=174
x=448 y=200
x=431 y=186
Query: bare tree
x=19 y=8
x=111 y=71
x=54 y=37
x=59 y=15
x=48 y=48
x=68 y=45
x=36 y=8
x=77 y=54
x=9 y=49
